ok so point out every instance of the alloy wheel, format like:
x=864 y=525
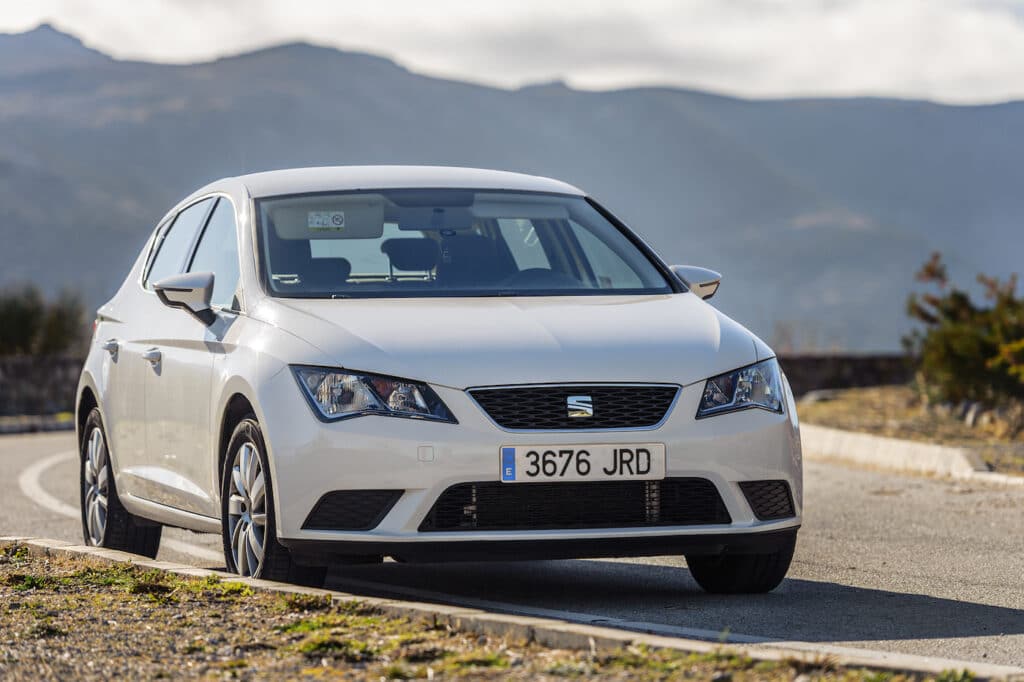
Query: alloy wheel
x=247 y=511
x=97 y=486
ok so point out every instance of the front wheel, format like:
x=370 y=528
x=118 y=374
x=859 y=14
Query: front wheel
x=249 y=528
x=105 y=522
x=742 y=573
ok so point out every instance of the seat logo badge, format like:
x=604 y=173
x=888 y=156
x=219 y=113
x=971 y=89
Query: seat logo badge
x=580 y=406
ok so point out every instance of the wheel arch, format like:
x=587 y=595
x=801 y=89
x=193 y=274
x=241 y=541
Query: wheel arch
x=87 y=400
x=90 y=395
x=237 y=407
x=239 y=394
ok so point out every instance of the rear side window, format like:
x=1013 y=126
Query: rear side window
x=175 y=241
x=218 y=253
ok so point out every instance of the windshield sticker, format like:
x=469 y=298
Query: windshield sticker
x=326 y=221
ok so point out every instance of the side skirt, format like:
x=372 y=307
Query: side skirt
x=169 y=516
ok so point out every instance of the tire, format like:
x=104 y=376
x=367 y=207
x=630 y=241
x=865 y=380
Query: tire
x=248 y=523
x=105 y=522
x=742 y=573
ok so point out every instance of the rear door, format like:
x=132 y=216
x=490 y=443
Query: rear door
x=182 y=435
x=124 y=337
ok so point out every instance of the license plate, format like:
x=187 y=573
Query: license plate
x=618 y=462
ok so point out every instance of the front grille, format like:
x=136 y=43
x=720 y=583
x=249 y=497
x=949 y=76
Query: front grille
x=351 y=509
x=546 y=407
x=607 y=504
x=769 y=499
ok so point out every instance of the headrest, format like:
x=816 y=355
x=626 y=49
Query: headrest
x=475 y=244
x=471 y=260
x=413 y=253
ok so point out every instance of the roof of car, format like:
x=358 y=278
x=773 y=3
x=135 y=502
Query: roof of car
x=347 y=178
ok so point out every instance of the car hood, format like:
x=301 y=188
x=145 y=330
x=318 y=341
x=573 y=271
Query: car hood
x=466 y=342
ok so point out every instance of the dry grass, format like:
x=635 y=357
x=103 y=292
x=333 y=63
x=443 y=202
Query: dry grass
x=897 y=412
x=65 y=618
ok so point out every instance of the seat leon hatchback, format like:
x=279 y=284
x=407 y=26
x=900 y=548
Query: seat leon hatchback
x=330 y=366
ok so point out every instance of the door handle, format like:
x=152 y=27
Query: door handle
x=152 y=356
x=111 y=346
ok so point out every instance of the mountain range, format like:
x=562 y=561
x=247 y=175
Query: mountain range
x=818 y=212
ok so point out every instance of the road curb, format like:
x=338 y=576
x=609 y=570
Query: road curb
x=826 y=443
x=553 y=632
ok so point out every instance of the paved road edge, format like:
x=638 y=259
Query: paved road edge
x=552 y=632
x=865 y=449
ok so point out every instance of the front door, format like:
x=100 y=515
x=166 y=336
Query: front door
x=183 y=433
x=143 y=470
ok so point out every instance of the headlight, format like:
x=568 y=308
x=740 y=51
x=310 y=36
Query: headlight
x=753 y=386
x=338 y=395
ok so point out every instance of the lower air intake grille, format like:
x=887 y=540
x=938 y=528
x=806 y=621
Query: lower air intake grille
x=546 y=407
x=351 y=509
x=607 y=504
x=769 y=499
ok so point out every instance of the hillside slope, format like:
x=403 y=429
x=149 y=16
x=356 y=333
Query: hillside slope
x=817 y=211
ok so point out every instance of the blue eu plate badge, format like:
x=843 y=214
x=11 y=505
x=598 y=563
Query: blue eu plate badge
x=508 y=464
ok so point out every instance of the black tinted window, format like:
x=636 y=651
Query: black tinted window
x=174 y=242
x=218 y=253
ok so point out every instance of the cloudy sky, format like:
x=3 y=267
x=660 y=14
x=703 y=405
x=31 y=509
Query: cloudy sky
x=949 y=50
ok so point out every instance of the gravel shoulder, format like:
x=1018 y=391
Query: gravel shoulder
x=78 y=618
x=897 y=412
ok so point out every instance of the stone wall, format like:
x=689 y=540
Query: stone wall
x=38 y=385
x=812 y=372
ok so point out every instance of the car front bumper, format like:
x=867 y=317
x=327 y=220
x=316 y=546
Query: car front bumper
x=310 y=458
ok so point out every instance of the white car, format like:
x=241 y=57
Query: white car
x=333 y=365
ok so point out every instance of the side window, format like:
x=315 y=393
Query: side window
x=217 y=252
x=173 y=244
x=611 y=271
x=522 y=241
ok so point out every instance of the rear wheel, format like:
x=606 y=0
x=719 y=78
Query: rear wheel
x=249 y=528
x=105 y=522
x=742 y=573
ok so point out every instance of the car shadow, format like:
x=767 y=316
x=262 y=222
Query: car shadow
x=667 y=596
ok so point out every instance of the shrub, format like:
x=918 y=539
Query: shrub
x=30 y=325
x=968 y=351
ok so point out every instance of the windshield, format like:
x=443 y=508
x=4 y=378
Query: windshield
x=422 y=243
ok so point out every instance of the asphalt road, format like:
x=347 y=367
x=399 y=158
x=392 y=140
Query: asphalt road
x=906 y=564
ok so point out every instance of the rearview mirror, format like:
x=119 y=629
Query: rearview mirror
x=191 y=292
x=700 y=281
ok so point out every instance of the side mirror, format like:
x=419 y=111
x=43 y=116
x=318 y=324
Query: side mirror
x=701 y=281
x=191 y=292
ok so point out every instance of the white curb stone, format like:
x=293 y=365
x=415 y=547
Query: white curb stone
x=826 y=443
